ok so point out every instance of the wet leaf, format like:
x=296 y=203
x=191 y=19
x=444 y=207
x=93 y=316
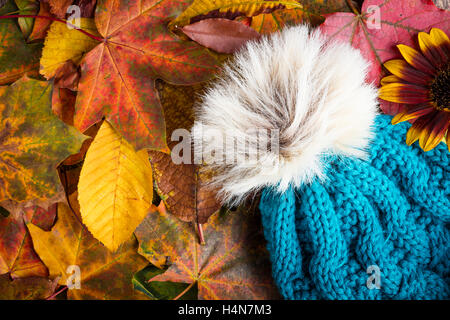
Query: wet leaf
x=118 y=75
x=17 y=58
x=104 y=275
x=115 y=189
x=233 y=264
x=221 y=35
x=33 y=142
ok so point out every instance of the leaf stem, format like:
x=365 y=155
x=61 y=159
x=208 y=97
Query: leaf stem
x=352 y=6
x=184 y=291
x=53 y=19
x=200 y=234
x=56 y=293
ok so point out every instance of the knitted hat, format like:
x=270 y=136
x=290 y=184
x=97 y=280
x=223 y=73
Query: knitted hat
x=349 y=210
x=388 y=215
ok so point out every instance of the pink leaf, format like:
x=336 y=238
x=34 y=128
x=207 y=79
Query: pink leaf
x=381 y=26
x=221 y=35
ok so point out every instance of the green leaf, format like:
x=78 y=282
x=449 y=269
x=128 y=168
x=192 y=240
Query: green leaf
x=17 y=58
x=33 y=142
x=161 y=290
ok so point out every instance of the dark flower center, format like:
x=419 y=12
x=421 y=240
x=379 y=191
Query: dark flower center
x=440 y=89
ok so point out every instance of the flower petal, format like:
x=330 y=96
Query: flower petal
x=448 y=141
x=390 y=79
x=434 y=48
x=412 y=112
x=416 y=59
x=403 y=93
x=402 y=70
x=414 y=132
x=441 y=40
x=434 y=131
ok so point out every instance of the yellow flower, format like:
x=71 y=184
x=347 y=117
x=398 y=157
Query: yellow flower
x=421 y=83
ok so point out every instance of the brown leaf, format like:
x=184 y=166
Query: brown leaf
x=221 y=35
x=67 y=76
x=183 y=188
x=59 y=7
x=178 y=104
x=63 y=104
x=233 y=264
x=31 y=288
x=87 y=7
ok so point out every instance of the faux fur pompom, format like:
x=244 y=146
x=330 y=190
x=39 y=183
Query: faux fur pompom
x=283 y=103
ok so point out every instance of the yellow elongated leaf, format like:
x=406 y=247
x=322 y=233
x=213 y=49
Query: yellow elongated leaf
x=63 y=43
x=230 y=9
x=115 y=187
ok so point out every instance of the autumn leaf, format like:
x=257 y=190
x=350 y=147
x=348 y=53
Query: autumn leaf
x=162 y=290
x=33 y=142
x=178 y=104
x=43 y=218
x=31 y=288
x=186 y=198
x=312 y=13
x=376 y=33
x=183 y=188
x=115 y=189
x=41 y=26
x=104 y=275
x=221 y=35
x=230 y=9
x=26 y=7
x=118 y=75
x=17 y=256
x=62 y=44
x=162 y=237
x=17 y=58
x=59 y=7
x=274 y=21
x=232 y=265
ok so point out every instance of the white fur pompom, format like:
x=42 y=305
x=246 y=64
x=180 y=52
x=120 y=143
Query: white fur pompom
x=311 y=90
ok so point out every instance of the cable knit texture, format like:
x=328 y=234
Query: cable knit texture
x=391 y=211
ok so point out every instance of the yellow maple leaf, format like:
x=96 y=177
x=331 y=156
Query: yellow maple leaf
x=63 y=43
x=115 y=187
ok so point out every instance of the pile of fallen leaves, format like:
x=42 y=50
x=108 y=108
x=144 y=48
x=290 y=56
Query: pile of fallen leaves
x=92 y=206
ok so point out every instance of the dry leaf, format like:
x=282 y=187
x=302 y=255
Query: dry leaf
x=221 y=35
x=233 y=264
x=62 y=44
x=104 y=275
x=115 y=189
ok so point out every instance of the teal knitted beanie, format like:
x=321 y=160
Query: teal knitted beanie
x=375 y=229
x=349 y=211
